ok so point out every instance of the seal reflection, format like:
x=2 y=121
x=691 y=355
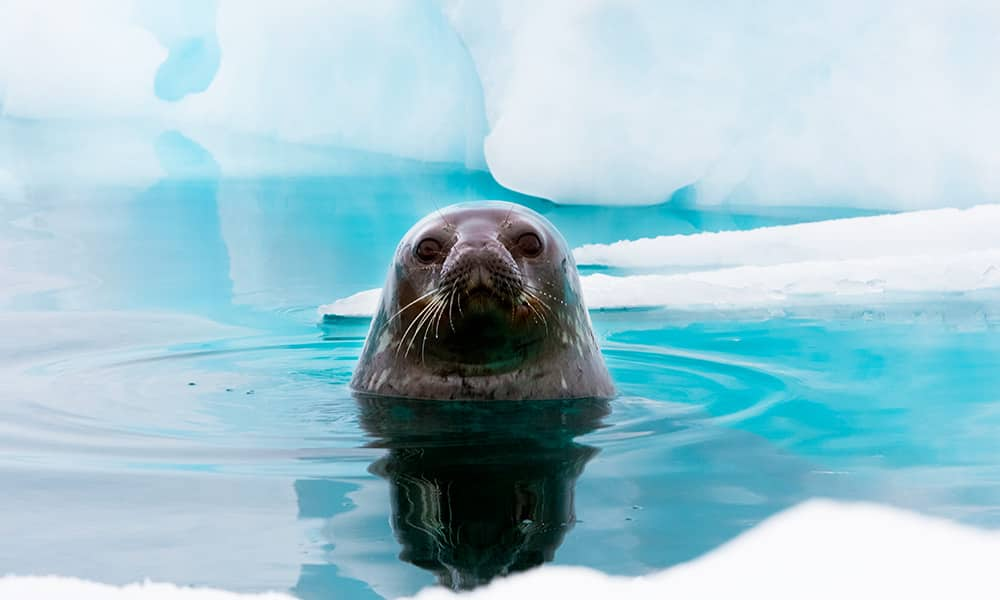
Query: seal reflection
x=480 y=489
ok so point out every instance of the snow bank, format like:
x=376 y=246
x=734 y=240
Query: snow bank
x=820 y=549
x=830 y=262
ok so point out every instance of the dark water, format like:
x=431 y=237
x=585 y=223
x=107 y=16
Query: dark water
x=170 y=408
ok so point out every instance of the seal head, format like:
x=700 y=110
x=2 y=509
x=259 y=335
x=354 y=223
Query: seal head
x=482 y=302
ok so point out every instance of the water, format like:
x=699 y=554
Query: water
x=170 y=408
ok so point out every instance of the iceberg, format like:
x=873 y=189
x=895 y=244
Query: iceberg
x=867 y=105
x=76 y=61
x=381 y=76
x=830 y=102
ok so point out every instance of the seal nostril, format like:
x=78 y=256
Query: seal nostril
x=479 y=277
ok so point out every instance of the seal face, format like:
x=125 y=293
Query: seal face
x=482 y=302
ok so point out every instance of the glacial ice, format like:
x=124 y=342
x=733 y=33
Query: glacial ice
x=881 y=104
x=382 y=76
x=888 y=105
x=867 y=551
x=76 y=60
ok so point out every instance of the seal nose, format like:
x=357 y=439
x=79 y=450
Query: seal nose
x=475 y=266
x=479 y=277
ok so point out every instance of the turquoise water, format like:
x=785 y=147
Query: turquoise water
x=170 y=408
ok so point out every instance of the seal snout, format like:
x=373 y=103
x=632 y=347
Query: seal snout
x=479 y=277
x=482 y=270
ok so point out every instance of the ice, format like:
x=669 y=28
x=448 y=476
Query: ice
x=839 y=262
x=819 y=549
x=187 y=29
x=835 y=103
x=76 y=60
x=382 y=76
x=826 y=283
x=908 y=234
x=838 y=103
x=362 y=304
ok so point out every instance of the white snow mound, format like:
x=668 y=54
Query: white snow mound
x=820 y=549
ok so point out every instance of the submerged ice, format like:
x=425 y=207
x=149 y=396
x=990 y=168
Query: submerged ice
x=886 y=105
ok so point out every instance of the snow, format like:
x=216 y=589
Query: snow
x=819 y=549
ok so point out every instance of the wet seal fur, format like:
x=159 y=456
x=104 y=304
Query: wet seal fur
x=482 y=302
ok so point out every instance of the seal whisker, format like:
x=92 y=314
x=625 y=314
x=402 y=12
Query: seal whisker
x=400 y=311
x=452 y=292
x=417 y=319
x=436 y=319
x=425 y=319
x=534 y=295
x=446 y=302
x=530 y=303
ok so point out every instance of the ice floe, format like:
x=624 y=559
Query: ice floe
x=846 y=261
x=945 y=231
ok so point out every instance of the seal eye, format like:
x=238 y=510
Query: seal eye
x=427 y=250
x=529 y=244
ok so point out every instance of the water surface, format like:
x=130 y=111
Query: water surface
x=170 y=407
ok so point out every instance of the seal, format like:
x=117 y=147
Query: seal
x=482 y=302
